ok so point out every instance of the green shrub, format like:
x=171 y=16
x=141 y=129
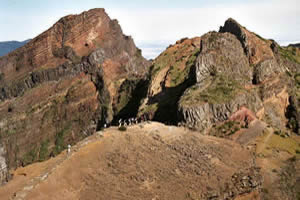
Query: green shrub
x=292 y=124
x=122 y=128
x=265 y=190
x=277 y=132
x=293 y=159
x=30 y=157
x=44 y=151
x=221 y=90
x=289 y=55
x=226 y=129
x=60 y=139
x=59 y=143
x=297 y=78
x=1 y=76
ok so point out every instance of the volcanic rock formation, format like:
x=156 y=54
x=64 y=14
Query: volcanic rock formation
x=64 y=84
x=83 y=73
x=202 y=81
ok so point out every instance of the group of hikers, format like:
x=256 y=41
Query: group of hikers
x=130 y=121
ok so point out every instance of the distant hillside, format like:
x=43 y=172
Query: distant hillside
x=6 y=47
x=295 y=45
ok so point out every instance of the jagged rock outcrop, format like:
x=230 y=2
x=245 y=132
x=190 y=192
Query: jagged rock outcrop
x=83 y=72
x=222 y=54
x=63 y=85
x=251 y=76
x=293 y=114
x=232 y=68
x=200 y=115
x=256 y=48
x=4 y=175
x=266 y=70
x=171 y=73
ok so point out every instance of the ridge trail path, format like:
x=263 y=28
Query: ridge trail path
x=34 y=174
x=265 y=141
x=249 y=135
x=148 y=161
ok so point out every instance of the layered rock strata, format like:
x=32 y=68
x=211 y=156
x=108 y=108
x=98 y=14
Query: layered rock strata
x=63 y=85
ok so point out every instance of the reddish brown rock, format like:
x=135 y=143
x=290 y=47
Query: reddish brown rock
x=205 y=80
x=171 y=73
x=243 y=115
x=64 y=84
x=256 y=47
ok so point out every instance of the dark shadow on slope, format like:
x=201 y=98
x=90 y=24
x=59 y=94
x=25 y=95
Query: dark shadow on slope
x=167 y=99
x=139 y=91
x=292 y=114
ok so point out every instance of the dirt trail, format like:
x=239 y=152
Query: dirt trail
x=249 y=135
x=263 y=144
x=148 y=161
x=28 y=178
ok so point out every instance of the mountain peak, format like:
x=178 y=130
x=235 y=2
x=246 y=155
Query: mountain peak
x=255 y=47
x=83 y=70
x=231 y=25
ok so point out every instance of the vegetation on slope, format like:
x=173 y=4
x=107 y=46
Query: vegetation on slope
x=222 y=89
x=290 y=53
x=171 y=74
x=177 y=75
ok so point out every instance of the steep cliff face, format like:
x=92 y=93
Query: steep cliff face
x=3 y=166
x=222 y=54
x=228 y=71
x=256 y=48
x=64 y=84
x=202 y=106
x=71 y=39
x=236 y=68
x=171 y=73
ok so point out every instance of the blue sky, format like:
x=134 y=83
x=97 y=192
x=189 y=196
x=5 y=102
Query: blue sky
x=154 y=24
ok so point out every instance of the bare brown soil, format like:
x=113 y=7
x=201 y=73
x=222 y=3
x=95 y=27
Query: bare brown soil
x=148 y=161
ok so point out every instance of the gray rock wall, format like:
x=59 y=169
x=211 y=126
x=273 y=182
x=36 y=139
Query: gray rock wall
x=203 y=116
x=3 y=166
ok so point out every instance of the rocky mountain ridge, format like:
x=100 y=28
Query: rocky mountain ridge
x=231 y=69
x=82 y=73
x=64 y=84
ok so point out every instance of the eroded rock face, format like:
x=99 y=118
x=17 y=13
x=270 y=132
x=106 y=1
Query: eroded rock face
x=171 y=73
x=260 y=52
x=214 y=100
x=63 y=85
x=4 y=174
x=231 y=69
x=256 y=48
x=68 y=41
x=222 y=54
x=203 y=115
x=265 y=70
x=293 y=114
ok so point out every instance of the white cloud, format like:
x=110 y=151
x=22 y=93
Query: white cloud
x=276 y=19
